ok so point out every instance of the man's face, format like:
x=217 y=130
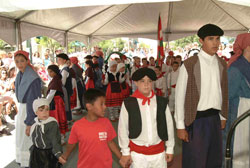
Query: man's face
x=210 y=44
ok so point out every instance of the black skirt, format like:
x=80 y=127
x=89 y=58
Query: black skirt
x=43 y=158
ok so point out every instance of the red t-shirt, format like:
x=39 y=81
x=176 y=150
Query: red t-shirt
x=93 y=140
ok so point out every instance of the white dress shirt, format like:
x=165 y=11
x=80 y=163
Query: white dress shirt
x=149 y=135
x=210 y=94
x=64 y=74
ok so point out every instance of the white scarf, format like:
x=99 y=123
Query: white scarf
x=41 y=123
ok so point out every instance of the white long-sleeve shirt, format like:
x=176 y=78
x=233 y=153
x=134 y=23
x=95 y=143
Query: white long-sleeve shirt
x=149 y=135
x=172 y=78
x=161 y=83
x=64 y=74
x=210 y=94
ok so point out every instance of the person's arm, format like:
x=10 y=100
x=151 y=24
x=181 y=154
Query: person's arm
x=69 y=149
x=106 y=80
x=171 y=141
x=180 y=94
x=123 y=138
x=55 y=138
x=32 y=93
x=64 y=74
x=114 y=148
x=51 y=95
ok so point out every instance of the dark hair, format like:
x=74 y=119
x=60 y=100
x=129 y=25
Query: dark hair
x=90 y=63
x=158 y=67
x=91 y=95
x=178 y=56
x=55 y=69
x=151 y=58
x=144 y=59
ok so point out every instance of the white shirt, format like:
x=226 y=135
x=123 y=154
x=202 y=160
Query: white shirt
x=210 y=95
x=172 y=78
x=64 y=74
x=161 y=83
x=149 y=135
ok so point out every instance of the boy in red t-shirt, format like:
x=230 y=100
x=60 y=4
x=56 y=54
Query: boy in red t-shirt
x=94 y=133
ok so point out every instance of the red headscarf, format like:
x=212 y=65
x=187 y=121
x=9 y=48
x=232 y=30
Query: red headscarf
x=241 y=42
x=24 y=53
x=75 y=61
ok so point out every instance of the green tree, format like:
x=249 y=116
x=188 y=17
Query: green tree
x=109 y=45
x=185 y=41
x=47 y=42
x=3 y=45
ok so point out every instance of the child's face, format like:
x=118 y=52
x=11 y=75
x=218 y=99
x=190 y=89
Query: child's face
x=61 y=61
x=137 y=61
x=157 y=71
x=43 y=113
x=122 y=69
x=51 y=73
x=144 y=85
x=152 y=61
x=175 y=67
x=21 y=63
x=113 y=68
x=144 y=62
x=98 y=107
x=95 y=60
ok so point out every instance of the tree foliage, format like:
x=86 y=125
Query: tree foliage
x=3 y=45
x=49 y=43
x=110 y=45
x=185 y=41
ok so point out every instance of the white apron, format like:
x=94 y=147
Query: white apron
x=23 y=142
x=241 y=139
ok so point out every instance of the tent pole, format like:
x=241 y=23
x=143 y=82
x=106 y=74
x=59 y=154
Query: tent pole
x=66 y=42
x=18 y=35
x=89 y=44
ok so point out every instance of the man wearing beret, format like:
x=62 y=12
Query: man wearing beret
x=202 y=106
x=145 y=126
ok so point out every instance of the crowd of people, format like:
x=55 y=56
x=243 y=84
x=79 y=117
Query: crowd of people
x=142 y=93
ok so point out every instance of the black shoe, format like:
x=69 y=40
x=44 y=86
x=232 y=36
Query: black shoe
x=6 y=132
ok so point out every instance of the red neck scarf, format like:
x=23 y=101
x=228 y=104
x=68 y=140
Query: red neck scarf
x=138 y=94
x=137 y=66
x=161 y=75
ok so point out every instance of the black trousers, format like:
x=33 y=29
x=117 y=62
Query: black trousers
x=204 y=149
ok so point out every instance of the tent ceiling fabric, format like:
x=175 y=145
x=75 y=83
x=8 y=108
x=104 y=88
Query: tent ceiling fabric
x=127 y=20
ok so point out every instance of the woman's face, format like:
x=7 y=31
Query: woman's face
x=51 y=73
x=21 y=62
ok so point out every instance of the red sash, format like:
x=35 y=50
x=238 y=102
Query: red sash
x=158 y=92
x=151 y=150
x=173 y=86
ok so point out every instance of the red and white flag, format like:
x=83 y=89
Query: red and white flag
x=160 y=51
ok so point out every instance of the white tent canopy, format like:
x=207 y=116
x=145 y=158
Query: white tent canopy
x=91 y=24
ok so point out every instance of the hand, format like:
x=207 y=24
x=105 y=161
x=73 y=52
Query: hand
x=223 y=123
x=169 y=157
x=27 y=131
x=62 y=160
x=169 y=92
x=182 y=134
x=125 y=161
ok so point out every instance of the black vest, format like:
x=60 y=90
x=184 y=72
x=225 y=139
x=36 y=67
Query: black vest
x=134 y=117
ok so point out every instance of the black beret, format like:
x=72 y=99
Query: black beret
x=88 y=57
x=140 y=73
x=209 y=30
x=63 y=56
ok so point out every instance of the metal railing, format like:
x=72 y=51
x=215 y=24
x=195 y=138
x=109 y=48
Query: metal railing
x=228 y=157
